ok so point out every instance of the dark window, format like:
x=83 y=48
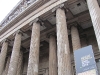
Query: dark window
x=79 y=4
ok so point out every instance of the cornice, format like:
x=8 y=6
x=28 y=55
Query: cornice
x=11 y=28
x=18 y=9
x=22 y=14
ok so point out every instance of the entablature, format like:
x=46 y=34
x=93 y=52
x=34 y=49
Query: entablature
x=18 y=23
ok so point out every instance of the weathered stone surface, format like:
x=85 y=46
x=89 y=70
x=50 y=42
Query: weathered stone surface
x=3 y=56
x=46 y=72
x=34 y=50
x=20 y=63
x=75 y=38
x=15 y=55
x=7 y=66
x=94 y=10
x=63 y=51
x=52 y=56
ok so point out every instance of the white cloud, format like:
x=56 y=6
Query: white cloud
x=6 y=6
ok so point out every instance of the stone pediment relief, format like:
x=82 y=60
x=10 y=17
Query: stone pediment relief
x=20 y=8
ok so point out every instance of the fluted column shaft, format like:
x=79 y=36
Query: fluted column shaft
x=34 y=50
x=63 y=52
x=20 y=61
x=7 y=66
x=46 y=72
x=94 y=10
x=75 y=38
x=3 y=56
x=52 y=56
x=15 y=55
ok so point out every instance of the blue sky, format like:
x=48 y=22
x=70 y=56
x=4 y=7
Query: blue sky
x=6 y=6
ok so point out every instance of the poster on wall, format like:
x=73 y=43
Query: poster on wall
x=85 y=62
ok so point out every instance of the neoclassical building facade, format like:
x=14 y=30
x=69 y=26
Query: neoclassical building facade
x=38 y=37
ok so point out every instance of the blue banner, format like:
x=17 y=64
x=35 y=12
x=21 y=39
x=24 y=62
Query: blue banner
x=84 y=60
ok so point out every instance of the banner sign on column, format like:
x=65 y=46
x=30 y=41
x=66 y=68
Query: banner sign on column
x=85 y=62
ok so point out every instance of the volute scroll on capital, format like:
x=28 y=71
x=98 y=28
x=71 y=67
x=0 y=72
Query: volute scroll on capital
x=18 y=32
x=37 y=20
x=62 y=6
x=75 y=24
x=51 y=34
x=5 y=40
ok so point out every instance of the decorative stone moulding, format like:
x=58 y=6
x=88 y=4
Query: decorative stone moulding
x=20 y=8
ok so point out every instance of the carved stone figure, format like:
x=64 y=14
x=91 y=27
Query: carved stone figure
x=31 y=1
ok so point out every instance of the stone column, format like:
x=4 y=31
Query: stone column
x=34 y=50
x=3 y=55
x=7 y=65
x=46 y=72
x=63 y=52
x=75 y=38
x=52 y=56
x=15 y=55
x=94 y=10
x=20 y=62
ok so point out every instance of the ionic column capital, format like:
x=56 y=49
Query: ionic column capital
x=51 y=34
x=37 y=20
x=18 y=32
x=5 y=40
x=75 y=24
x=62 y=6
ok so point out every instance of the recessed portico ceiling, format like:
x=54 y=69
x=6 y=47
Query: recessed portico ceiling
x=78 y=7
x=52 y=20
x=86 y=24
